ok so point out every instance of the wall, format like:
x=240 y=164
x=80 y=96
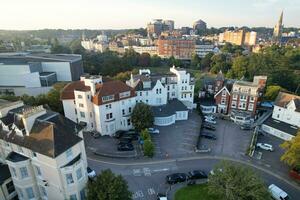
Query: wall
x=276 y=132
x=62 y=69
x=289 y=116
x=69 y=109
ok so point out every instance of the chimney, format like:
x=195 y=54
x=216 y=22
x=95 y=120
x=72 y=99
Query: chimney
x=29 y=116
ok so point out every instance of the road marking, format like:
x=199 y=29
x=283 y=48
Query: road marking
x=138 y=194
x=187 y=144
x=92 y=148
x=161 y=170
x=147 y=171
x=151 y=191
x=137 y=172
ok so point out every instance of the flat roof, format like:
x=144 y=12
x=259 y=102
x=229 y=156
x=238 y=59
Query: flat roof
x=282 y=126
x=169 y=109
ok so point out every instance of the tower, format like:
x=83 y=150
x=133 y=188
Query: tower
x=278 y=29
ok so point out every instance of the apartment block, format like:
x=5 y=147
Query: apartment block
x=45 y=154
x=238 y=37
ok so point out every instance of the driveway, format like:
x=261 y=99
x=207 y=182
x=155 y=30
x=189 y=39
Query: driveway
x=178 y=139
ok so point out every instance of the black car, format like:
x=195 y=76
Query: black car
x=119 y=134
x=246 y=127
x=125 y=147
x=125 y=141
x=197 y=174
x=208 y=135
x=131 y=135
x=176 y=178
x=208 y=126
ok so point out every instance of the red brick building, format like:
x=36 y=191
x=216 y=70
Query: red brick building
x=222 y=100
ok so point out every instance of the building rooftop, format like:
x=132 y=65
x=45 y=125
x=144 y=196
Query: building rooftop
x=282 y=126
x=4 y=173
x=169 y=109
x=284 y=98
x=16 y=157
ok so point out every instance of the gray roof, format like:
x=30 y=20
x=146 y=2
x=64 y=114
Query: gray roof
x=16 y=157
x=51 y=133
x=169 y=109
x=4 y=173
x=282 y=126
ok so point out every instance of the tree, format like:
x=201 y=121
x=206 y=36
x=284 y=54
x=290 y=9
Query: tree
x=219 y=62
x=239 y=67
x=272 y=92
x=108 y=186
x=291 y=155
x=144 y=60
x=145 y=134
x=206 y=61
x=195 y=62
x=233 y=182
x=148 y=147
x=142 y=116
x=155 y=61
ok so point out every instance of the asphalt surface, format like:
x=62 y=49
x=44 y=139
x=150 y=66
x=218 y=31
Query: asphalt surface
x=145 y=180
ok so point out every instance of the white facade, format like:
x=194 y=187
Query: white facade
x=152 y=50
x=169 y=120
x=277 y=133
x=204 y=49
x=287 y=114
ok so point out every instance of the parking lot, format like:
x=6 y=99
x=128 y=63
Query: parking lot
x=179 y=138
x=231 y=140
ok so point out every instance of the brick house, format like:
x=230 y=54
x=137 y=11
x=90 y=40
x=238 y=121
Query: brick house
x=222 y=99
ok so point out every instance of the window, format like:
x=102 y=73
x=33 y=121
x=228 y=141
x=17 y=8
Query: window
x=123 y=111
x=10 y=187
x=234 y=97
x=69 y=154
x=108 y=106
x=20 y=192
x=224 y=93
x=82 y=114
x=252 y=99
x=79 y=174
x=79 y=96
x=129 y=109
x=108 y=98
x=233 y=104
x=250 y=107
x=156 y=91
x=24 y=172
x=168 y=87
x=124 y=94
x=75 y=111
x=88 y=96
x=69 y=178
x=20 y=149
x=30 y=193
x=191 y=87
x=159 y=90
x=73 y=197
x=109 y=116
x=182 y=88
x=141 y=93
x=185 y=88
x=81 y=105
x=147 y=93
x=223 y=101
x=128 y=122
x=91 y=114
x=43 y=191
x=146 y=100
x=173 y=86
x=278 y=116
x=38 y=170
x=82 y=194
x=14 y=172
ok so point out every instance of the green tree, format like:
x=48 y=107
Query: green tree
x=148 y=147
x=142 y=116
x=239 y=67
x=272 y=92
x=206 y=61
x=234 y=182
x=155 y=61
x=145 y=134
x=108 y=186
x=144 y=60
x=195 y=62
x=219 y=62
x=291 y=155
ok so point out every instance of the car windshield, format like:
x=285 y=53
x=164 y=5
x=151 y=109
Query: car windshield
x=287 y=198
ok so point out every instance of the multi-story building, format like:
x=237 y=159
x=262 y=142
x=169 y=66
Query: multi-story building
x=99 y=103
x=7 y=188
x=45 y=154
x=155 y=28
x=244 y=98
x=203 y=49
x=199 y=26
x=180 y=48
x=33 y=74
x=285 y=120
x=165 y=92
x=116 y=46
x=238 y=37
x=152 y=50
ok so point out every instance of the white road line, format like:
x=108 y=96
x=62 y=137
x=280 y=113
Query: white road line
x=147 y=171
x=151 y=191
x=138 y=194
x=161 y=170
x=188 y=144
x=137 y=172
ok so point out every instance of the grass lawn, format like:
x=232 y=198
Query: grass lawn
x=194 y=192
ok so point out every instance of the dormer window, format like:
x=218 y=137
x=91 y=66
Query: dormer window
x=125 y=94
x=108 y=98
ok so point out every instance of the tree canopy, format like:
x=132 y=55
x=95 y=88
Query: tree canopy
x=291 y=155
x=108 y=186
x=234 y=182
x=142 y=116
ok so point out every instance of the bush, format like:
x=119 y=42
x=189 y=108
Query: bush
x=145 y=135
x=148 y=148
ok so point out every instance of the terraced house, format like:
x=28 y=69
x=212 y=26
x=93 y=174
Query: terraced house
x=44 y=152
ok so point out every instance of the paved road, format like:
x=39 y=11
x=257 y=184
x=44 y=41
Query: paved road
x=146 y=179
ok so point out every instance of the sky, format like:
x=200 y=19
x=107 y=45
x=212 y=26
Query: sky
x=120 y=14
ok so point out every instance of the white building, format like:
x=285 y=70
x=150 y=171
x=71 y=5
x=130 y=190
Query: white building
x=7 y=188
x=170 y=95
x=99 y=44
x=203 y=49
x=45 y=153
x=33 y=74
x=285 y=120
x=101 y=104
x=152 y=50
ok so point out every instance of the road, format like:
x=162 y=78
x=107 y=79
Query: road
x=145 y=180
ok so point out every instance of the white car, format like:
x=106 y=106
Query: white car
x=265 y=146
x=162 y=197
x=153 y=130
x=210 y=121
x=211 y=117
x=91 y=173
x=277 y=193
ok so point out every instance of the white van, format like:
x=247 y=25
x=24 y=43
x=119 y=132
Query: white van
x=277 y=193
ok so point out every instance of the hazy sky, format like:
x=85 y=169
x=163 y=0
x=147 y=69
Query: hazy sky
x=118 y=14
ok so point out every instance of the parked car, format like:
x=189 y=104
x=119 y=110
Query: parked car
x=208 y=135
x=277 y=193
x=119 y=134
x=91 y=173
x=153 y=130
x=176 y=178
x=124 y=141
x=211 y=117
x=211 y=121
x=208 y=126
x=95 y=134
x=197 y=174
x=246 y=127
x=265 y=146
x=162 y=197
x=125 y=147
x=131 y=135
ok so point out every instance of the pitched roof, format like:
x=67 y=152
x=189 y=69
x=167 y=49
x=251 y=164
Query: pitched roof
x=221 y=91
x=283 y=99
x=51 y=135
x=169 y=109
x=111 y=88
x=68 y=91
